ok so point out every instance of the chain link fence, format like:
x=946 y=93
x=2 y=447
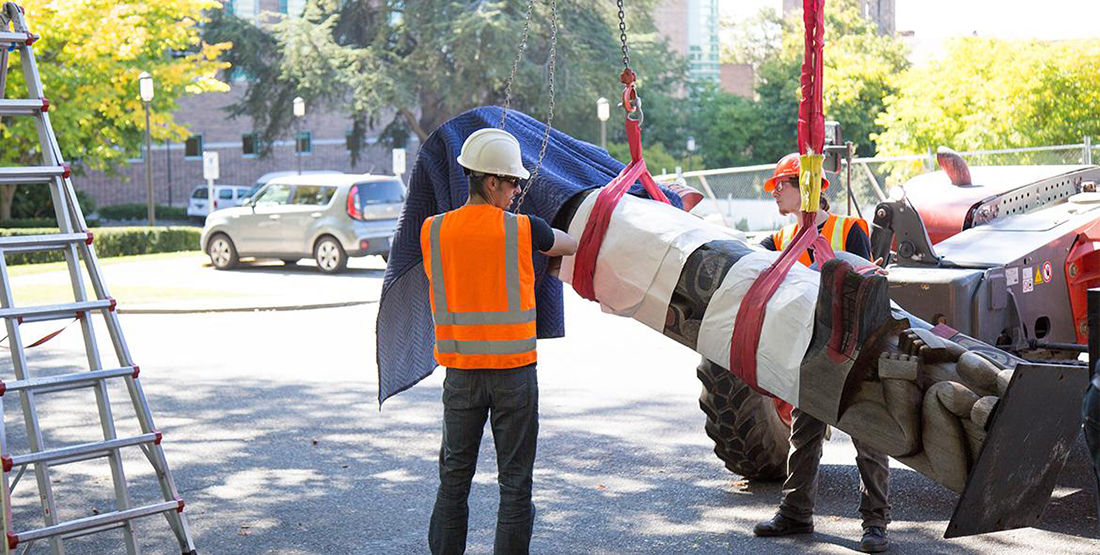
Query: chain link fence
x=735 y=197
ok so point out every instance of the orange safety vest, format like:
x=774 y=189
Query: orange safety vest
x=835 y=230
x=482 y=283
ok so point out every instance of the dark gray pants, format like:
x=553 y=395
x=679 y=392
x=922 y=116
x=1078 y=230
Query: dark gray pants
x=510 y=400
x=800 y=488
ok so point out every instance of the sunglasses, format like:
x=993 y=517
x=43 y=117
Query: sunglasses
x=515 y=181
x=788 y=182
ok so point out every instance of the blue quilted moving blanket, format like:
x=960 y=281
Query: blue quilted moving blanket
x=405 y=331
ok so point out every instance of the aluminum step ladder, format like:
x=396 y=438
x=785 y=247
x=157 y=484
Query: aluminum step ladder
x=76 y=242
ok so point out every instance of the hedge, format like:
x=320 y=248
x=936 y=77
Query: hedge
x=136 y=211
x=37 y=222
x=114 y=241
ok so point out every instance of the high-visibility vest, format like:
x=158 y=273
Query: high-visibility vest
x=482 y=284
x=835 y=230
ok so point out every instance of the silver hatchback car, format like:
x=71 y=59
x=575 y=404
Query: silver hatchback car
x=325 y=217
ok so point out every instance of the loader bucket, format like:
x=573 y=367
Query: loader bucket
x=1029 y=438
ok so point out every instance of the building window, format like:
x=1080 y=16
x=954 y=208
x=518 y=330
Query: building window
x=304 y=144
x=250 y=145
x=193 y=147
x=237 y=75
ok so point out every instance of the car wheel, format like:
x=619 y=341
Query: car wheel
x=290 y=261
x=222 y=252
x=330 y=256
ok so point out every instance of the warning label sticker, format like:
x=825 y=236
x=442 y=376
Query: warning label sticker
x=1012 y=276
x=1029 y=281
x=1038 y=276
x=1048 y=272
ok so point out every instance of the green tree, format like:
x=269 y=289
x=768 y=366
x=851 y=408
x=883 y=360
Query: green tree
x=409 y=65
x=655 y=155
x=861 y=68
x=89 y=58
x=991 y=94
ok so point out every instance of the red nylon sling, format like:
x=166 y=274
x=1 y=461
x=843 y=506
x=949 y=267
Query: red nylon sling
x=811 y=138
x=584 y=267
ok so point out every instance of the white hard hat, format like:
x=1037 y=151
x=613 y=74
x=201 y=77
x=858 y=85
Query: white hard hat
x=493 y=151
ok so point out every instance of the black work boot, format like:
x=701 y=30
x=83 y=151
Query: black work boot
x=874 y=540
x=780 y=525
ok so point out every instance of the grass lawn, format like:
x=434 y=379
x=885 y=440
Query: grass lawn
x=53 y=292
x=29 y=269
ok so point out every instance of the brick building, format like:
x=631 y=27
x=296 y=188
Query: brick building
x=177 y=167
x=738 y=79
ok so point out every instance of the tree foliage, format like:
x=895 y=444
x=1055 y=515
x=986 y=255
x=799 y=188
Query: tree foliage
x=991 y=94
x=89 y=58
x=861 y=67
x=409 y=65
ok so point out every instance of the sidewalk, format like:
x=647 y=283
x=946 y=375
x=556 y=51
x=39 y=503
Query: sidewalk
x=186 y=283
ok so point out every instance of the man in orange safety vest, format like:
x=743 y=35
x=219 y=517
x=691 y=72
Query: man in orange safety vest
x=795 y=515
x=478 y=260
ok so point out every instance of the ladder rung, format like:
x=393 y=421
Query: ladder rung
x=95 y=530
x=23 y=107
x=33 y=243
x=76 y=453
x=67 y=381
x=55 y=312
x=96 y=521
x=20 y=38
x=32 y=174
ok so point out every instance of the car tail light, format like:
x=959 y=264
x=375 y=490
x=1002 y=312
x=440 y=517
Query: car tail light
x=353 y=204
x=364 y=245
x=215 y=205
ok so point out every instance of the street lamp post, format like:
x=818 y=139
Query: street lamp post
x=603 y=111
x=145 y=88
x=299 y=112
x=691 y=150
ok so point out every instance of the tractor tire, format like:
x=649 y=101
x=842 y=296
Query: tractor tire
x=749 y=436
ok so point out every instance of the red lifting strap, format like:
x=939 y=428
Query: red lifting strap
x=750 y=315
x=584 y=268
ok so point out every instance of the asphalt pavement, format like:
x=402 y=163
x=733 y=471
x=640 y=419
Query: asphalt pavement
x=273 y=432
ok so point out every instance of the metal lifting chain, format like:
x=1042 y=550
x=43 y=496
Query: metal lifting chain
x=550 y=116
x=515 y=63
x=622 y=35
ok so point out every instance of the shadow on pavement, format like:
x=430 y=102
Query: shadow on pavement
x=315 y=468
x=303 y=268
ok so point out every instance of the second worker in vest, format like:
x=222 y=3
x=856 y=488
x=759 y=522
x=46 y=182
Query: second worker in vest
x=478 y=259
x=795 y=515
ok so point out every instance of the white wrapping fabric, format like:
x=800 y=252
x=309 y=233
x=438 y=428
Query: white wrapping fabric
x=642 y=255
x=788 y=323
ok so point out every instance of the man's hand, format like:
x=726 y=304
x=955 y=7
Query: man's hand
x=880 y=271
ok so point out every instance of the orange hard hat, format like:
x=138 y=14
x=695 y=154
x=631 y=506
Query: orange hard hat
x=789 y=166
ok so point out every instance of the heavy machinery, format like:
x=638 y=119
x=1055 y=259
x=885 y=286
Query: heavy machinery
x=1002 y=254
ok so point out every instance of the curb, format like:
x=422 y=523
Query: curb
x=283 y=308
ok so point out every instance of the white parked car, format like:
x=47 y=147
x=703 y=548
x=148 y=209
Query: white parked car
x=225 y=196
x=325 y=217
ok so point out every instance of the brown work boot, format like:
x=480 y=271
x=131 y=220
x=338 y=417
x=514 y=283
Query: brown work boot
x=780 y=525
x=874 y=540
